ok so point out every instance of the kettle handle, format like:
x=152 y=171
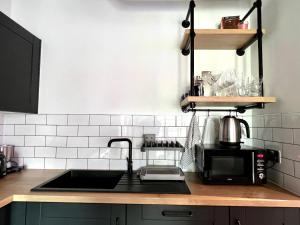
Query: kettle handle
x=247 y=127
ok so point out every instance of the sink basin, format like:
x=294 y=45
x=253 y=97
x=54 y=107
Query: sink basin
x=109 y=181
x=84 y=179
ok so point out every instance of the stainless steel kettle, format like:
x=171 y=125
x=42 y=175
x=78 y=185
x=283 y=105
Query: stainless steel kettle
x=230 y=132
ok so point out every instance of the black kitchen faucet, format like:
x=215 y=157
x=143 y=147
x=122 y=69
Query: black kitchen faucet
x=129 y=158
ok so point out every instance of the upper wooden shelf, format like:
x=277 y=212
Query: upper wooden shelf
x=220 y=39
x=228 y=101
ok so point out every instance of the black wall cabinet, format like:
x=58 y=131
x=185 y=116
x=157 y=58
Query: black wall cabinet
x=19 y=67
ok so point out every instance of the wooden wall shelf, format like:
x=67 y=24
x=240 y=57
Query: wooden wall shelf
x=220 y=39
x=228 y=101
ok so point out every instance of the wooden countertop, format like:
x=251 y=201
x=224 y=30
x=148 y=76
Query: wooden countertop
x=16 y=187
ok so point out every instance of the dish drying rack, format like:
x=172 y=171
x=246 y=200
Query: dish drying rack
x=160 y=172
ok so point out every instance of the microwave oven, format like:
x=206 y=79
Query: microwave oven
x=218 y=164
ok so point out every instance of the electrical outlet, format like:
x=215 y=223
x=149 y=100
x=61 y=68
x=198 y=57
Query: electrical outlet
x=274 y=156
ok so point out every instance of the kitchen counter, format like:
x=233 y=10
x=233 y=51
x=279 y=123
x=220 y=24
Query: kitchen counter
x=16 y=187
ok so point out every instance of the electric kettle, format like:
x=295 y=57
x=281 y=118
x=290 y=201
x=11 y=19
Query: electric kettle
x=230 y=132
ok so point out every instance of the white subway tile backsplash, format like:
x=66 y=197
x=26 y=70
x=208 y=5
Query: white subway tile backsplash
x=89 y=131
x=24 y=152
x=291 y=120
x=54 y=141
x=117 y=164
x=35 y=141
x=45 y=130
x=98 y=141
x=98 y=164
x=286 y=166
x=291 y=152
x=53 y=163
x=297 y=136
x=34 y=163
x=273 y=120
x=99 y=120
x=297 y=169
x=132 y=131
x=137 y=164
x=78 y=119
x=121 y=120
x=292 y=184
x=13 y=140
x=143 y=120
x=36 y=119
x=265 y=134
x=165 y=121
x=67 y=130
x=45 y=152
x=283 y=135
x=183 y=120
x=77 y=164
x=175 y=132
x=24 y=129
x=78 y=142
x=70 y=153
x=258 y=121
x=88 y=153
x=110 y=131
x=158 y=131
x=57 y=119
x=13 y=118
x=7 y=130
x=110 y=153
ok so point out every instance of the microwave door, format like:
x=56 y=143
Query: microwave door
x=229 y=169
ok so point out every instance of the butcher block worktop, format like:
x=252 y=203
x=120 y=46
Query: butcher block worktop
x=16 y=187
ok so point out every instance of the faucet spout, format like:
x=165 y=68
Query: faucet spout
x=129 y=158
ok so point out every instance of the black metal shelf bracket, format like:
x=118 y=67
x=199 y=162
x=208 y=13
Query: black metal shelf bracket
x=189 y=49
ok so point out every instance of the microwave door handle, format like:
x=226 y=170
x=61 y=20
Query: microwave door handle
x=253 y=169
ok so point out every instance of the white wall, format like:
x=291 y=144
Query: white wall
x=278 y=126
x=281 y=54
x=118 y=56
x=5 y=6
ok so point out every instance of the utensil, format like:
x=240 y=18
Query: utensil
x=230 y=130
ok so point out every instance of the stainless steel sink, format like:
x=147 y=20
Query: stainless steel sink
x=109 y=181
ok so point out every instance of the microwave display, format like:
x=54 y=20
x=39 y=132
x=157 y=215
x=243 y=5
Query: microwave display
x=227 y=166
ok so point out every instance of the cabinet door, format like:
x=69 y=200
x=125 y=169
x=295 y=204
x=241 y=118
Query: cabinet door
x=75 y=214
x=176 y=215
x=263 y=216
x=13 y=214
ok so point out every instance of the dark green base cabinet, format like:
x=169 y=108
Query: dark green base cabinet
x=264 y=216
x=110 y=214
x=75 y=214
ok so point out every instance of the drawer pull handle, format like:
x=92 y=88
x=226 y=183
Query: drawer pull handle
x=238 y=222
x=177 y=213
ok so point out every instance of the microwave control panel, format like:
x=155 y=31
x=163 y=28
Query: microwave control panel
x=260 y=164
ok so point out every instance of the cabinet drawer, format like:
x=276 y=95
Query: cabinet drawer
x=176 y=215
